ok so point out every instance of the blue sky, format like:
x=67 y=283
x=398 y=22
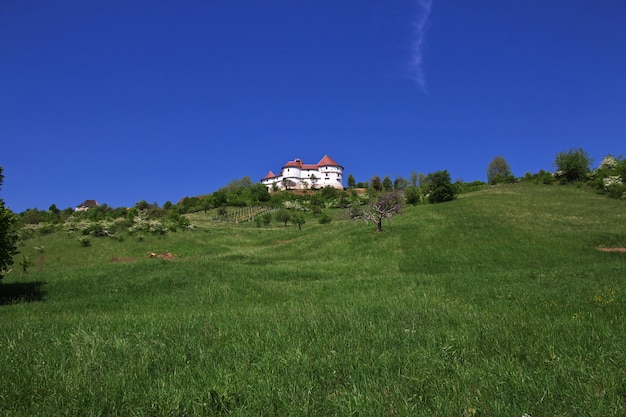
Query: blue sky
x=122 y=101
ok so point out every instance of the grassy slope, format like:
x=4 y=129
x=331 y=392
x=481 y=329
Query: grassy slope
x=494 y=304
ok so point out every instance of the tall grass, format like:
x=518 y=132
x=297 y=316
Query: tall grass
x=495 y=304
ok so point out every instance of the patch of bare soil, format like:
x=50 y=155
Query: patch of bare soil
x=168 y=256
x=603 y=249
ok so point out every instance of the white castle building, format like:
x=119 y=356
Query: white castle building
x=296 y=175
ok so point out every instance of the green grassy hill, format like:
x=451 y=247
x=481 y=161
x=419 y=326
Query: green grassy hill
x=498 y=303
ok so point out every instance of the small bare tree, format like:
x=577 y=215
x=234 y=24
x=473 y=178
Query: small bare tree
x=384 y=207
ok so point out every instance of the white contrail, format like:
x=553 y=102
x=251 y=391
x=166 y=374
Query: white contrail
x=417 y=55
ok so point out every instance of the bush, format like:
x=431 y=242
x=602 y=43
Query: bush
x=610 y=175
x=412 y=195
x=572 y=165
x=439 y=187
x=325 y=218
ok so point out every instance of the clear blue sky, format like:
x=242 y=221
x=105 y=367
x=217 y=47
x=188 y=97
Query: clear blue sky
x=122 y=101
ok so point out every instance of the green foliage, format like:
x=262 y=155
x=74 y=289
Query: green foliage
x=283 y=216
x=401 y=183
x=298 y=220
x=325 y=218
x=351 y=181
x=470 y=187
x=610 y=177
x=543 y=177
x=25 y=263
x=376 y=183
x=412 y=195
x=498 y=171
x=572 y=165
x=329 y=192
x=266 y=218
x=8 y=235
x=387 y=184
x=439 y=188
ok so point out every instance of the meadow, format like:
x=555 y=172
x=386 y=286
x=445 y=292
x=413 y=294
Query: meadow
x=495 y=304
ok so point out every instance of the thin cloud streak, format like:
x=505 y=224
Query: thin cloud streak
x=417 y=56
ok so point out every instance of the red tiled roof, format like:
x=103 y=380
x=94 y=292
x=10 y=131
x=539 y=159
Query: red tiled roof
x=295 y=163
x=327 y=161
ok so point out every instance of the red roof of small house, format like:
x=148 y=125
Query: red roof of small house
x=327 y=161
x=89 y=203
x=269 y=175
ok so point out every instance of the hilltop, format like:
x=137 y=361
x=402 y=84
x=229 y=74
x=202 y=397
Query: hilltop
x=492 y=304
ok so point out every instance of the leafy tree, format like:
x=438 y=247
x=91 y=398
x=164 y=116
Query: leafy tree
x=329 y=192
x=498 y=171
x=283 y=215
x=8 y=235
x=400 y=183
x=220 y=198
x=387 y=184
x=33 y=216
x=376 y=183
x=259 y=193
x=266 y=218
x=206 y=203
x=412 y=195
x=298 y=220
x=421 y=180
x=439 y=187
x=572 y=165
x=325 y=218
x=384 y=207
x=351 y=181
x=414 y=177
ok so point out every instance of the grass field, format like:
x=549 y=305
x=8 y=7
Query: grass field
x=496 y=304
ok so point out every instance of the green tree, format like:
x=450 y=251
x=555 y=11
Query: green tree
x=572 y=165
x=325 y=218
x=376 y=183
x=439 y=187
x=351 y=181
x=400 y=183
x=266 y=218
x=298 y=220
x=283 y=216
x=387 y=184
x=412 y=195
x=8 y=235
x=498 y=171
